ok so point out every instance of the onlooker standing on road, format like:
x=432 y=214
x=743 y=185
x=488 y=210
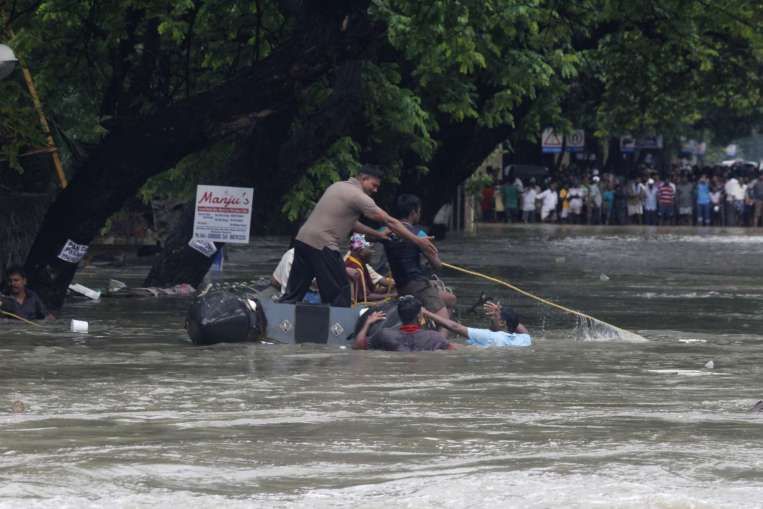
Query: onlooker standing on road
x=685 y=200
x=511 y=200
x=734 y=200
x=549 y=199
x=487 y=204
x=666 y=198
x=757 y=196
x=635 y=190
x=595 y=201
x=528 y=203
x=716 y=203
x=650 y=202
x=703 y=201
x=608 y=203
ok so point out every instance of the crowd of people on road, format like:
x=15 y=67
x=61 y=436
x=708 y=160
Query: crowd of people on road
x=711 y=196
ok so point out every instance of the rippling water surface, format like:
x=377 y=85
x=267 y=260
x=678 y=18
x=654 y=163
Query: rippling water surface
x=132 y=415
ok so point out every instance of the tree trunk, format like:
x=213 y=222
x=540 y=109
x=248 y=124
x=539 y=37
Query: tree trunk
x=462 y=148
x=136 y=150
x=272 y=168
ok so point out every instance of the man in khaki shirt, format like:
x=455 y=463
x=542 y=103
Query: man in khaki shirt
x=334 y=218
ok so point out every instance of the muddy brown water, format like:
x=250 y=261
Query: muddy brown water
x=132 y=415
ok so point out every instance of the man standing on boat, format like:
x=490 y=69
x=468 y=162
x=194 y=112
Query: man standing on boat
x=334 y=218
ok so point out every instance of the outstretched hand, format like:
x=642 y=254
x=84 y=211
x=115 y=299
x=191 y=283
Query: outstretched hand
x=426 y=245
x=376 y=316
x=492 y=309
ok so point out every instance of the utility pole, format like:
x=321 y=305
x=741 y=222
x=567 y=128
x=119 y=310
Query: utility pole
x=52 y=148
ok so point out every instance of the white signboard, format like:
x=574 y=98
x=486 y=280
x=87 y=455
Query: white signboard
x=72 y=252
x=627 y=144
x=551 y=142
x=223 y=214
x=575 y=142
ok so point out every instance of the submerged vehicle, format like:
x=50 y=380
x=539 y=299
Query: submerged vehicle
x=232 y=316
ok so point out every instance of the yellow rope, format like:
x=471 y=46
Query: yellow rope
x=526 y=293
x=17 y=317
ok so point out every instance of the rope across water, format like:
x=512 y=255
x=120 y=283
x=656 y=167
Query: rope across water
x=618 y=330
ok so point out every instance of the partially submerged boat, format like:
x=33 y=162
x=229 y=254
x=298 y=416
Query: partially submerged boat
x=233 y=316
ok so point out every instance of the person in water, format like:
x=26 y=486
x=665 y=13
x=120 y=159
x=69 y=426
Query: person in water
x=335 y=216
x=404 y=258
x=409 y=337
x=505 y=330
x=23 y=301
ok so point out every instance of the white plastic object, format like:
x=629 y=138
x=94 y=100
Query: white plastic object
x=79 y=326
x=84 y=290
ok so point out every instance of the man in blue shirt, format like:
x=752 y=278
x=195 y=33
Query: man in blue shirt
x=505 y=328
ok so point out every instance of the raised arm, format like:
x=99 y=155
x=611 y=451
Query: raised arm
x=447 y=323
x=493 y=311
x=361 y=340
x=369 y=232
x=426 y=245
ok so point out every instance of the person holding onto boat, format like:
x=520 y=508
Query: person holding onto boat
x=23 y=302
x=404 y=258
x=505 y=330
x=409 y=337
x=335 y=216
x=368 y=285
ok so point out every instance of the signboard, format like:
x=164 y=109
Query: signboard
x=731 y=150
x=689 y=147
x=575 y=142
x=627 y=144
x=551 y=142
x=72 y=252
x=649 y=142
x=223 y=214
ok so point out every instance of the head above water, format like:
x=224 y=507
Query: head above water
x=501 y=318
x=408 y=208
x=509 y=320
x=409 y=309
x=16 y=277
x=370 y=177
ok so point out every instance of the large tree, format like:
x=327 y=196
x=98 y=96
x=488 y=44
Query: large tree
x=153 y=125
x=425 y=88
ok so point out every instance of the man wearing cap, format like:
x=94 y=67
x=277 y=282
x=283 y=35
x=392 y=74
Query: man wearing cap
x=650 y=202
x=335 y=216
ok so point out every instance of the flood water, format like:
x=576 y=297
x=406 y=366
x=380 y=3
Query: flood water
x=133 y=415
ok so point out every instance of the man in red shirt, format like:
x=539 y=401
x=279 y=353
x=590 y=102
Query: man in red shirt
x=665 y=197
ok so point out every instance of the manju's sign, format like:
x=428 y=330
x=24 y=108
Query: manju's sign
x=223 y=214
